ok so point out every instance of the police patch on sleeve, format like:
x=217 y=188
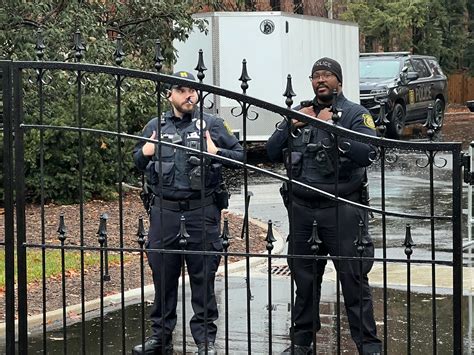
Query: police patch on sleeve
x=227 y=127
x=368 y=120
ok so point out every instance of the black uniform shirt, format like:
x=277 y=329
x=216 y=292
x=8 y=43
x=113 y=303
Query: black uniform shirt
x=352 y=116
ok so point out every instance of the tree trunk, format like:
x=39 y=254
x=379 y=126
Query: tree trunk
x=315 y=8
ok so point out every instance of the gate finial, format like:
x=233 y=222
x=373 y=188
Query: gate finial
x=79 y=47
x=158 y=58
x=270 y=239
x=408 y=242
x=39 y=47
x=314 y=240
x=430 y=123
x=62 y=229
x=119 y=54
x=381 y=121
x=200 y=67
x=183 y=233
x=289 y=93
x=225 y=236
x=244 y=77
x=141 y=233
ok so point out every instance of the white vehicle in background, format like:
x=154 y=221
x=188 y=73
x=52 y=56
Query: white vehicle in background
x=274 y=44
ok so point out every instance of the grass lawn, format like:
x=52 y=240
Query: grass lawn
x=53 y=263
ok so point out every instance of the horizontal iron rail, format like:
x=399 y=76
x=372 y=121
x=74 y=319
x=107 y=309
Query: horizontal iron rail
x=238 y=163
x=284 y=112
x=242 y=254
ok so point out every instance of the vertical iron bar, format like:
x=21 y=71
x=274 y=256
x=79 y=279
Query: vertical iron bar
x=43 y=239
x=335 y=141
x=8 y=185
x=120 y=192
x=39 y=54
x=119 y=55
x=20 y=212
x=62 y=238
x=270 y=239
x=141 y=234
x=225 y=244
x=158 y=58
x=384 y=248
x=433 y=255
x=245 y=107
x=201 y=68
x=183 y=235
x=81 y=210
x=102 y=239
x=289 y=94
x=457 y=253
x=246 y=228
x=408 y=243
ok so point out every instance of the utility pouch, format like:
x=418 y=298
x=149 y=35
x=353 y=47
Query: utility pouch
x=195 y=178
x=322 y=158
x=147 y=198
x=296 y=163
x=221 y=196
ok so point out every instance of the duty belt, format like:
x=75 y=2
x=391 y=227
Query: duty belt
x=185 y=205
x=324 y=202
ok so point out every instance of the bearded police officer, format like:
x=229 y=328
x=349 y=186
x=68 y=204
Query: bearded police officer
x=313 y=159
x=180 y=174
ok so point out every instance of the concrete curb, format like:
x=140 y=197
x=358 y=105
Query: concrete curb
x=113 y=302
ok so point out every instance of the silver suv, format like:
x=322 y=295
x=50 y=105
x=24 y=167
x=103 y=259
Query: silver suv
x=408 y=84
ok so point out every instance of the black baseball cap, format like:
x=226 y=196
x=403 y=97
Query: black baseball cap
x=181 y=74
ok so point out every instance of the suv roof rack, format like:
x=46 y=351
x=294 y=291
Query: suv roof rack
x=384 y=54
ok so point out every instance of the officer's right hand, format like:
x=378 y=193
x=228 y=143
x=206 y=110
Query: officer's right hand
x=307 y=111
x=148 y=148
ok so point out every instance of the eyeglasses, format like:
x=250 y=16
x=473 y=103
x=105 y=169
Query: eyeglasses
x=324 y=76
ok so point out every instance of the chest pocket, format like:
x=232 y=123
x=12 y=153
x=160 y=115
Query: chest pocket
x=167 y=174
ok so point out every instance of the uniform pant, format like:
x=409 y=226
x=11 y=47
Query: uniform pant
x=166 y=270
x=308 y=276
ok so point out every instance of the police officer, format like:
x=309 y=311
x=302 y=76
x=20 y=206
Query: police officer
x=180 y=174
x=313 y=159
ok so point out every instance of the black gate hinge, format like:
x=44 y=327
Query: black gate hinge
x=468 y=174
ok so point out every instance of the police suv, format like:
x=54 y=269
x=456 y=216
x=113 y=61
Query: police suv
x=406 y=85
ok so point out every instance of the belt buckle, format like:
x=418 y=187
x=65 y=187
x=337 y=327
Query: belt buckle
x=184 y=205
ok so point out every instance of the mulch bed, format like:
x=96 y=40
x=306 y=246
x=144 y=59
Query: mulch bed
x=132 y=210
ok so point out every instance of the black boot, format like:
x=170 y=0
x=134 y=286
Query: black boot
x=211 y=349
x=152 y=347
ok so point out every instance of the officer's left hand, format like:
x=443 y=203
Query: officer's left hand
x=211 y=147
x=325 y=114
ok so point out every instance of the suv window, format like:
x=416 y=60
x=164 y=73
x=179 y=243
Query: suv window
x=409 y=65
x=371 y=69
x=435 y=68
x=421 y=68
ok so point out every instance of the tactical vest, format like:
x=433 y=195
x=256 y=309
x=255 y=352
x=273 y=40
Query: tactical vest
x=180 y=168
x=314 y=158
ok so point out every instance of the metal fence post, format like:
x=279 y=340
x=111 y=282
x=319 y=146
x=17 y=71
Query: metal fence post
x=9 y=241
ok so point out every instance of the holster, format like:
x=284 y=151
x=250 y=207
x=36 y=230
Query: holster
x=221 y=196
x=284 y=194
x=146 y=195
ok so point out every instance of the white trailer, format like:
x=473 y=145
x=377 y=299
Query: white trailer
x=274 y=44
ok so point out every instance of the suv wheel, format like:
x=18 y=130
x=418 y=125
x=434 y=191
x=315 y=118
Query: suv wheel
x=397 y=122
x=438 y=112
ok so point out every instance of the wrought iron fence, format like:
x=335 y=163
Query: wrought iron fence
x=396 y=226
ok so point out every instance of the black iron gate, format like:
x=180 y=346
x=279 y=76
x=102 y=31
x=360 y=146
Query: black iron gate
x=27 y=115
